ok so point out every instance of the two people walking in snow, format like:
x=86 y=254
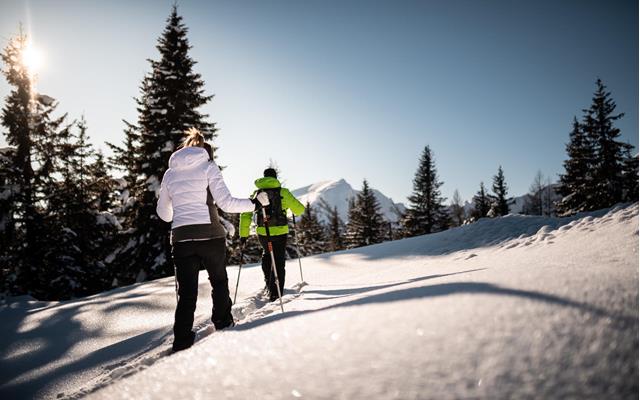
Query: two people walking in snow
x=191 y=190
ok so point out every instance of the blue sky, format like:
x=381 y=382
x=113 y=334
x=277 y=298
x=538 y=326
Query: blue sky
x=354 y=89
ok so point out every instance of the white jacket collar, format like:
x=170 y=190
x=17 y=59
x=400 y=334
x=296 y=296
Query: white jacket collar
x=188 y=157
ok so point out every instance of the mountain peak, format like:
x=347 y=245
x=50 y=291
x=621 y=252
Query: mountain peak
x=336 y=194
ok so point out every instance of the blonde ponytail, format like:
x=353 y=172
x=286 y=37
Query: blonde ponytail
x=193 y=139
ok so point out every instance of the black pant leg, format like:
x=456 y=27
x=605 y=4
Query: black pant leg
x=266 y=261
x=213 y=254
x=279 y=244
x=280 y=252
x=187 y=265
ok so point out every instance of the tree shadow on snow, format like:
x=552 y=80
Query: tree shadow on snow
x=444 y=289
x=327 y=294
x=52 y=333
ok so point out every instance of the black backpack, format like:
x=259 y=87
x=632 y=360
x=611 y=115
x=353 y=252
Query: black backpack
x=277 y=216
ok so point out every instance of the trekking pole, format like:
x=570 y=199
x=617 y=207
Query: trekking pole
x=175 y=279
x=239 y=270
x=295 y=235
x=273 y=258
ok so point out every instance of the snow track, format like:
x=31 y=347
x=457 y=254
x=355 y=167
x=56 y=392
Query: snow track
x=248 y=310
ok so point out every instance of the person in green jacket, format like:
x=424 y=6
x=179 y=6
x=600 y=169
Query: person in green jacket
x=280 y=200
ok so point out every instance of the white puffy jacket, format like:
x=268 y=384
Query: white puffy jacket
x=183 y=191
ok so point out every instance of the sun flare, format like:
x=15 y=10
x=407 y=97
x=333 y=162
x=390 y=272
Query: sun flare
x=32 y=58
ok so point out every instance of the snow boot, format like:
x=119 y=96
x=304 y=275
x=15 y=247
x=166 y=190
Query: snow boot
x=228 y=323
x=183 y=343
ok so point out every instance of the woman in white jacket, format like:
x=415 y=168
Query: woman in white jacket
x=190 y=190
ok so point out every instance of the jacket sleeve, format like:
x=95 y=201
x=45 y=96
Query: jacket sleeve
x=221 y=194
x=245 y=224
x=164 y=208
x=290 y=202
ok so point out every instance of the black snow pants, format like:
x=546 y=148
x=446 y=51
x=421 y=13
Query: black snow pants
x=188 y=257
x=279 y=243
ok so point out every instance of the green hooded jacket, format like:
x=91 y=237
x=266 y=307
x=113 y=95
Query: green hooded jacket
x=288 y=202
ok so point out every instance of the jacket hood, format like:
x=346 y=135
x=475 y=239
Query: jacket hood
x=188 y=157
x=267 y=183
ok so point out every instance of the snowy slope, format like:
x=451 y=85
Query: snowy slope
x=513 y=307
x=338 y=193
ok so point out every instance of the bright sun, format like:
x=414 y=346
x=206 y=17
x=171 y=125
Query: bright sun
x=32 y=58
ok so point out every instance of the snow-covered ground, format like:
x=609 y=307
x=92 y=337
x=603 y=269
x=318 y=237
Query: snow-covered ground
x=515 y=307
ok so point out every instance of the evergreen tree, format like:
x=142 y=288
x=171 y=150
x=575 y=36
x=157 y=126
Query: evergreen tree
x=630 y=177
x=335 y=227
x=18 y=174
x=576 y=184
x=610 y=152
x=366 y=224
x=29 y=173
x=310 y=234
x=594 y=175
x=426 y=212
x=7 y=210
x=500 y=204
x=171 y=95
x=86 y=226
x=482 y=203
x=457 y=210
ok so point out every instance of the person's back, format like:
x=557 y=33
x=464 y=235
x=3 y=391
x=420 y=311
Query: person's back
x=195 y=215
x=280 y=200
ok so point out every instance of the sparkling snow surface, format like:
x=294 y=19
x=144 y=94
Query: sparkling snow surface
x=515 y=307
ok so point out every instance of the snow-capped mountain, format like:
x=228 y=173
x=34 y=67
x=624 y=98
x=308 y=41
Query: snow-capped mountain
x=337 y=194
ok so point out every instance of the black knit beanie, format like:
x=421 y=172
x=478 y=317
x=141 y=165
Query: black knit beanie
x=270 y=172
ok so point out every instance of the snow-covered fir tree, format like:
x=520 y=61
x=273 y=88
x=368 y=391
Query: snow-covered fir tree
x=335 y=231
x=594 y=176
x=608 y=181
x=576 y=184
x=30 y=174
x=19 y=205
x=335 y=227
x=630 y=177
x=426 y=212
x=7 y=209
x=171 y=96
x=86 y=226
x=310 y=233
x=499 y=200
x=366 y=225
x=481 y=203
